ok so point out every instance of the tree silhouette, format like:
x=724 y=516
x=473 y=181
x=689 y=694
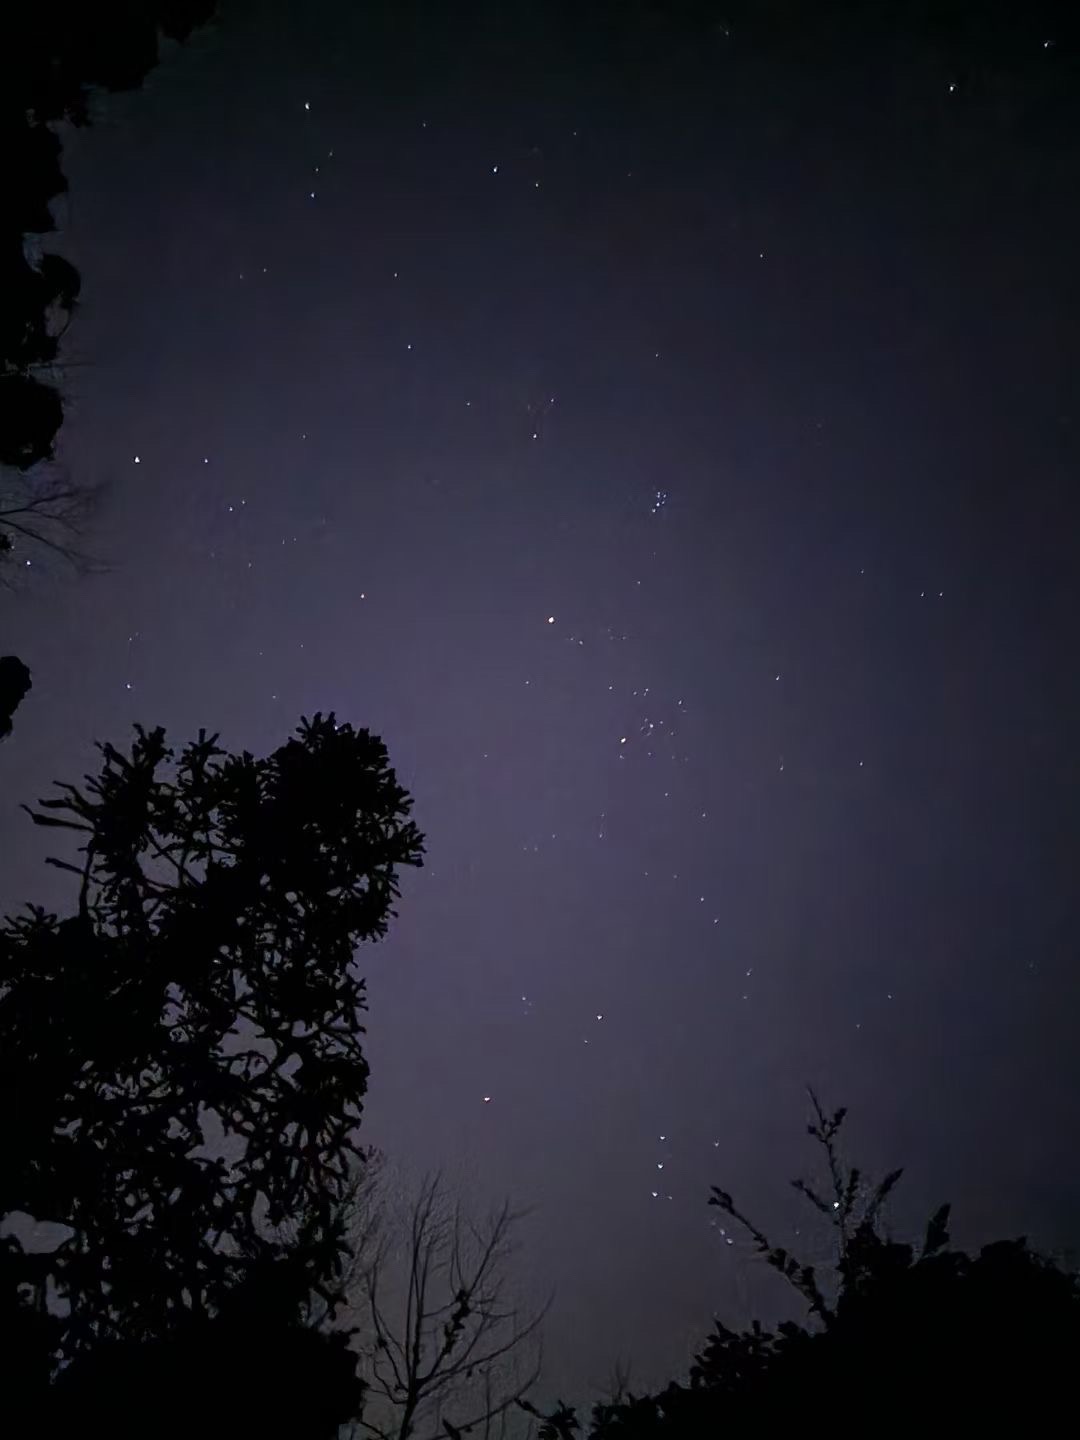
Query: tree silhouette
x=444 y=1350
x=898 y=1335
x=252 y=1368
x=45 y=514
x=15 y=683
x=53 y=56
x=181 y=1059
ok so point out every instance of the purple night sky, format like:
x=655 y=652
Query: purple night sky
x=667 y=441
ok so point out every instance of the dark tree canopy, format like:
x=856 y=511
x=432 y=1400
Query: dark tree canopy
x=15 y=684
x=914 y=1333
x=897 y=1337
x=52 y=57
x=204 y=987
x=253 y=1369
x=59 y=51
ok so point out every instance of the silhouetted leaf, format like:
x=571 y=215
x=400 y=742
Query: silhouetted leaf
x=937 y=1230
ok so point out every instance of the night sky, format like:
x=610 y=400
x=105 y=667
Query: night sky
x=662 y=431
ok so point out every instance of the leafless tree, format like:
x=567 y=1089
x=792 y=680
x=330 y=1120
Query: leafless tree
x=444 y=1348
x=42 y=516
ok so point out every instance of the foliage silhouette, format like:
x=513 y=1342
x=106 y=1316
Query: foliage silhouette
x=15 y=685
x=254 y=1368
x=204 y=990
x=900 y=1336
x=52 y=57
x=28 y=1336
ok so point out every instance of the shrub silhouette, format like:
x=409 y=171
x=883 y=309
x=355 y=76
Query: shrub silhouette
x=896 y=1335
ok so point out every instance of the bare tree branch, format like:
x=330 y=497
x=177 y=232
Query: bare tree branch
x=444 y=1347
x=45 y=515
